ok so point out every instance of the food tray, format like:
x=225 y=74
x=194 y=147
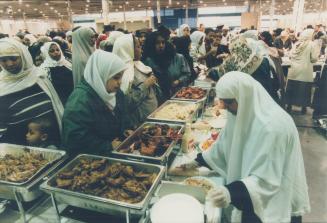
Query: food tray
x=204 y=98
x=191 y=117
x=101 y=204
x=29 y=191
x=130 y=140
x=16 y=150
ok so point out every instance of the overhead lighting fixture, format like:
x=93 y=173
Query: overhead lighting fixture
x=149 y=1
x=205 y=5
x=139 y=5
x=19 y=10
x=20 y=1
x=201 y=2
x=126 y=3
x=86 y=5
x=51 y=8
x=27 y=5
x=46 y=3
x=132 y=9
x=35 y=9
x=225 y=3
x=87 y=0
x=177 y=3
x=120 y=6
x=116 y=10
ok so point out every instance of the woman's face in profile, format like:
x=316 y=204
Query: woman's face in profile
x=12 y=64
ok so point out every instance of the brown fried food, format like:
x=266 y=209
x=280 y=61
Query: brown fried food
x=128 y=171
x=116 y=182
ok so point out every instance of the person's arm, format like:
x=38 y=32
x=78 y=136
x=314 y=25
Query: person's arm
x=185 y=74
x=315 y=51
x=3 y=122
x=78 y=135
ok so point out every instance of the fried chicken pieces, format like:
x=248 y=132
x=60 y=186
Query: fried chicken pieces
x=152 y=141
x=114 y=181
x=20 y=168
x=191 y=93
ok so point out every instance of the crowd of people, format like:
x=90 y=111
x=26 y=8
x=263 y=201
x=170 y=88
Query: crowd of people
x=85 y=92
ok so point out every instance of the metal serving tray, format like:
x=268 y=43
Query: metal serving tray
x=100 y=204
x=16 y=150
x=192 y=116
x=131 y=139
x=204 y=98
x=29 y=190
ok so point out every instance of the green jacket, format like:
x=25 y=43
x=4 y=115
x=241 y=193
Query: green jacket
x=89 y=126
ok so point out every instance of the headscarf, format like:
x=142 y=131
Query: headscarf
x=49 y=62
x=124 y=48
x=195 y=46
x=100 y=67
x=113 y=36
x=101 y=37
x=81 y=51
x=246 y=56
x=304 y=40
x=252 y=34
x=261 y=150
x=27 y=77
x=180 y=31
x=31 y=38
x=69 y=33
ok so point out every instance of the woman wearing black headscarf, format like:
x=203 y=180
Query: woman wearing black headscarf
x=171 y=68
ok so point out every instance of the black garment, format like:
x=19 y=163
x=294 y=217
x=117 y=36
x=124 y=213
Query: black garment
x=298 y=93
x=320 y=97
x=262 y=74
x=62 y=81
x=278 y=43
x=212 y=60
x=18 y=109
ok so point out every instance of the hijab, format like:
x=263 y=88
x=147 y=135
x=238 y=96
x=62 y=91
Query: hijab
x=81 y=51
x=49 y=62
x=31 y=38
x=196 y=36
x=252 y=34
x=124 y=48
x=100 y=67
x=246 y=56
x=304 y=40
x=113 y=36
x=180 y=31
x=261 y=150
x=27 y=77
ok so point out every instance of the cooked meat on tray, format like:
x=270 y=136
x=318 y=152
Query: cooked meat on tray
x=191 y=93
x=176 y=111
x=100 y=178
x=22 y=167
x=153 y=140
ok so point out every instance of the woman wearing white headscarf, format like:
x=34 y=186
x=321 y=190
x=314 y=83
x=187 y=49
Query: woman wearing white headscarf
x=138 y=82
x=259 y=156
x=25 y=93
x=198 y=49
x=184 y=30
x=300 y=74
x=29 y=39
x=59 y=70
x=95 y=112
x=83 y=47
x=107 y=45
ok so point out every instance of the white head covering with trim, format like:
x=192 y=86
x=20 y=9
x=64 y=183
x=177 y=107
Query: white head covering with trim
x=304 y=40
x=113 y=36
x=31 y=38
x=49 y=62
x=181 y=29
x=100 y=67
x=260 y=146
x=195 y=39
x=27 y=77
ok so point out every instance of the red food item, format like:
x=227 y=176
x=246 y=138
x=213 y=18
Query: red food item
x=191 y=93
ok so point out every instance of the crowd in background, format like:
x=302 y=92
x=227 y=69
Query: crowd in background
x=79 y=88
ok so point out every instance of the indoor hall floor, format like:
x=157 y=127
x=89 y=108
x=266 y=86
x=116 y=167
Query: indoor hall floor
x=314 y=148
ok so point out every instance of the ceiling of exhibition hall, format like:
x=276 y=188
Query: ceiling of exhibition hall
x=56 y=9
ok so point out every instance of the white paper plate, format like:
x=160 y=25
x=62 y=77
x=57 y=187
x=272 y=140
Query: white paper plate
x=177 y=208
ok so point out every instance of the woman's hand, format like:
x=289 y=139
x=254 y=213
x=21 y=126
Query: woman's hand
x=175 y=83
x=128 y=132
x=219 y=196
x=150 y=81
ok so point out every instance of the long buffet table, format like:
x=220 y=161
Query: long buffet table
x=48 y=208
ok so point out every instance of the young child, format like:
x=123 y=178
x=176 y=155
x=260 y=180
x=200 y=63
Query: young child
x=40 y=133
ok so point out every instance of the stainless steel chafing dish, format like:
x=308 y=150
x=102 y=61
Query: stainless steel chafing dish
x=29 y=190
x=192 y=117
x=101 y=204
x=202 y=101
x=131 y=139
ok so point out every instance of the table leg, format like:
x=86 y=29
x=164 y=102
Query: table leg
x=55 y=205
x=127 y=215
x=20 y=206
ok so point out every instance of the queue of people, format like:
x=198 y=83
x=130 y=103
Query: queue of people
x=90 y=98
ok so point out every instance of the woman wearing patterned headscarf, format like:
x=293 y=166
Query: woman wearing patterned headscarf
x=25 y=93
x=95 y=113
x=300 y=78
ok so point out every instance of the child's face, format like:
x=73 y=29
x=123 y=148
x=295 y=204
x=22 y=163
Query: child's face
x=34 y=136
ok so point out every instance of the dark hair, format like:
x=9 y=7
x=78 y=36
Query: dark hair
x=278 y=31
x=193 y=30
x=163 y=60
x=208 y=30
x=2 y=35
x=267 y=38
x=35 y=50
x=46 y=126
x=182 y=44
x=243 y=30
x=139 y=32
x=309 y=27
x=53 y=34
x=108 y=28
x=164 y=31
